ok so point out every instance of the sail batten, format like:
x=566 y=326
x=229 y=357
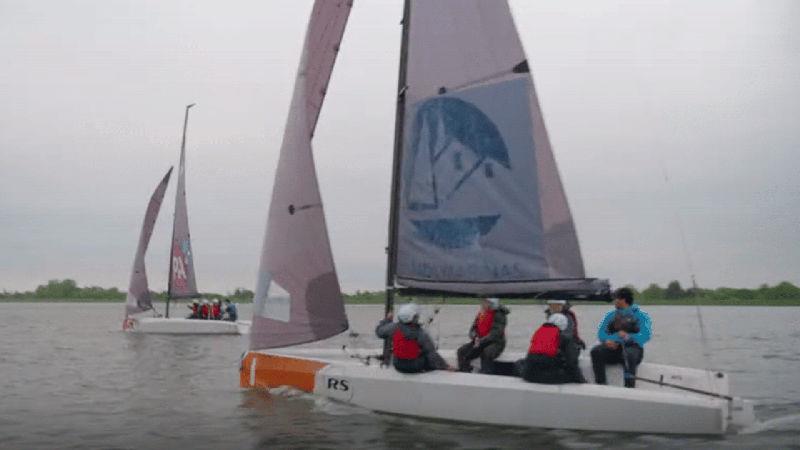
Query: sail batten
x=482 y=210
x=297 y=297
x=139 y=298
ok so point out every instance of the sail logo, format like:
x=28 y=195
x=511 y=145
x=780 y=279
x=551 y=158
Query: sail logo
x=181 y=255
x=454 y=150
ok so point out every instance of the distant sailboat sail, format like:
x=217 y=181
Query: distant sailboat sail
x=181 y=270
x=138 y=299
x=297 y=296
x=481 y=208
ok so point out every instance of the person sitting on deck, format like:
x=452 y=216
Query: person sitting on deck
x=552 y=356
x=216 y=310
x=563 y=307
x=622 y=334
x=412 y=347
x=205 y=309
x=487 y=337
x=195 y=307
x=230 y=311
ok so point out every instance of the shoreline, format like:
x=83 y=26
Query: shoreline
x=466 y=301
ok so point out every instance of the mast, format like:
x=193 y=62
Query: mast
x=391 y=256
x=180 y=170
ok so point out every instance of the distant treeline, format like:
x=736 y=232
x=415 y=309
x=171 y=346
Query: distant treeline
x=784 y=293
x=69 y=290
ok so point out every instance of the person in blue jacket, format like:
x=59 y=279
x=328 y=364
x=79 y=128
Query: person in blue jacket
x=622 y=335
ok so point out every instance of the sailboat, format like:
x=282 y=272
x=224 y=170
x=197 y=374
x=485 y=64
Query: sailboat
x=181 y=282
x=477 y=209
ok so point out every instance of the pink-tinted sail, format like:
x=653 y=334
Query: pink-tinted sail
x=482 y=209
x=182 y=282
x=297 y=296
x=139 y=299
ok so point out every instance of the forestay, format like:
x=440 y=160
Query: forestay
x=481 y=209
x=182 y=282
x=297 y=296
x=139 y=299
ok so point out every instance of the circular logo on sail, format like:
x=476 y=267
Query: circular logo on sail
x=455 y=150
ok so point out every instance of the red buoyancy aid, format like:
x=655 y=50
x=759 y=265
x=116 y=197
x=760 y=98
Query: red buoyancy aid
x=484 y=322
x=204 y=311
x=403 y=347
x=545 y=341
x=215 y=311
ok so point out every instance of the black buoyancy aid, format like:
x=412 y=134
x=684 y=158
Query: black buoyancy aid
x=623 y=322
x=545 y=341
x=403 y=347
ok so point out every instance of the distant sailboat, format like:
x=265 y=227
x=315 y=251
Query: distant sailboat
x=477 y=209
x=181 y=283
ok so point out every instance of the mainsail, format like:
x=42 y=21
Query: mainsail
x=181 y=270
x=138 y=299
x=480 y=208
x=297 y=296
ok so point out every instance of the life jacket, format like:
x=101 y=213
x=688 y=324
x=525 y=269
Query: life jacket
x=545 y=341
x=623 y=322
x=204 y=311
x=403 y=347
x=215 y=311
x=484 y=322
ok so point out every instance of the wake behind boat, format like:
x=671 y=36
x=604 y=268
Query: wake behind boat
x=477 y=209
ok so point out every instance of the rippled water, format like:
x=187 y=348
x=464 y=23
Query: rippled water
x=70 y=379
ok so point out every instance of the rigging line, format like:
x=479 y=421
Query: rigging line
x=690 y=266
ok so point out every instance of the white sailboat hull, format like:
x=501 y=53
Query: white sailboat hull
x=161 y=325
x=502 y=400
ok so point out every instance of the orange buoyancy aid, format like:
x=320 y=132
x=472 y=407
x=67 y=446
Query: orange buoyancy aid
x=545 y=341
x=403 y=347
x=484 y=322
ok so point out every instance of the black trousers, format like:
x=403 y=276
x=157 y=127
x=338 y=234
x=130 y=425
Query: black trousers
x=545 y=370
x=487 y=353
x=630 y=357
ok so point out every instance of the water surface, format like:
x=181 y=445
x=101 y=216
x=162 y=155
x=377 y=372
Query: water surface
x=71 y=379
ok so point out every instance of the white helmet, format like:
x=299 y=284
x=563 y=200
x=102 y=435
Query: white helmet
x=407 y=312
x=494 y=303
x=205 y=302
x=558 y=320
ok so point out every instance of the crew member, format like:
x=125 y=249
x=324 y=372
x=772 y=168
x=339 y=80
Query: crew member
x=552 y=356
x=230 y=311
x=563 y=307
x=412 y=347
x=622 y=334
x=216 y=310
x=205 y=309
x=487 y=337
x=195 y=307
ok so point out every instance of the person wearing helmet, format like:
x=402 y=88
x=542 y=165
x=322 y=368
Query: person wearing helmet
x=205 y=309
x=622 y=335
x=563 y=307
x=195 y=307
x=412 y=348
x=487 y=337
x=551 y=356
x=216 y=310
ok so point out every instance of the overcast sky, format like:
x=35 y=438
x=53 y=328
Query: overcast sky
x=705 y=94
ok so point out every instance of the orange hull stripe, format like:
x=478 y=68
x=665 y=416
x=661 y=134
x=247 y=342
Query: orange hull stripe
x=273 y=371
